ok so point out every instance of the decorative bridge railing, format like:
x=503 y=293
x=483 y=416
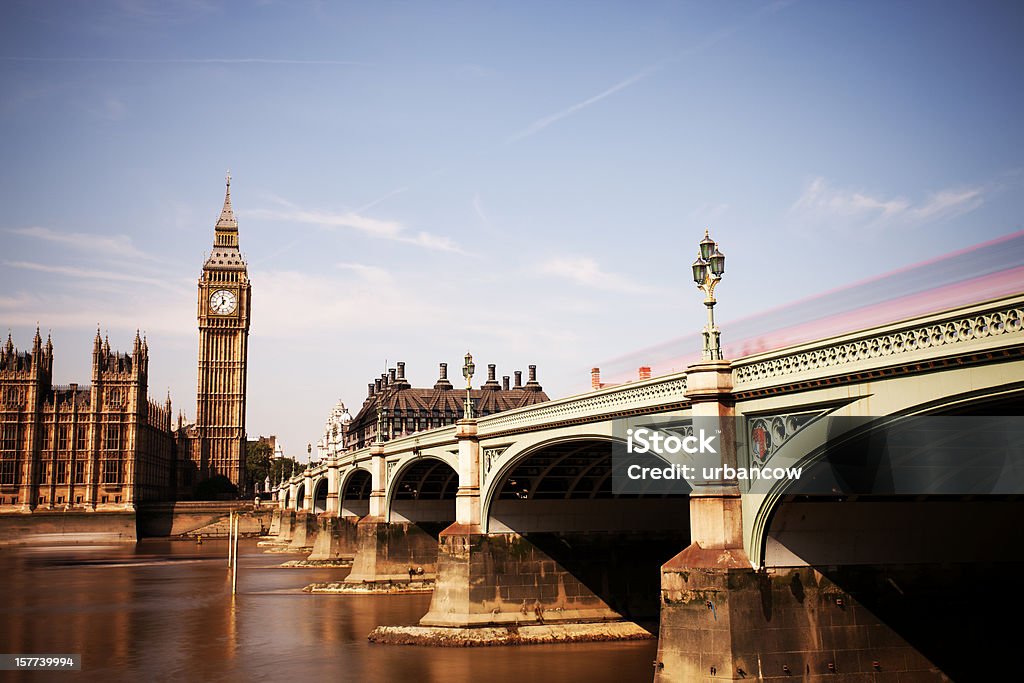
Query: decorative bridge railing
x=989 y=325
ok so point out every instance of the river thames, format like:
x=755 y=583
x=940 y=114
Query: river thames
x=162 y=610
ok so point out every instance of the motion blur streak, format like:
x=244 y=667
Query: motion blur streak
x=984 y=271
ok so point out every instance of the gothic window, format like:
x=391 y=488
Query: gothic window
x=62 y=472
x=47 y=437
x=111 y=470
x=81 y=440
x=114 y=399
x=112 y=442
x=62 y=437
x=79 y=473
x=8 y=470
x=10 y=438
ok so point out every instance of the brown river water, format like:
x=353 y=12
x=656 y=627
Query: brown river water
x=163 y=610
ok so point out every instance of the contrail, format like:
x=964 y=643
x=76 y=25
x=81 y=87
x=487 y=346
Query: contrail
x=203 y=60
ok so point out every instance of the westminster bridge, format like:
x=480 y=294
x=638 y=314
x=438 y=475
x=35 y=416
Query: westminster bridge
x=518 y=519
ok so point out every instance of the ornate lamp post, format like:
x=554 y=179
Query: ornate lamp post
x=467 y=371
x=707 y=273
x=381 y=420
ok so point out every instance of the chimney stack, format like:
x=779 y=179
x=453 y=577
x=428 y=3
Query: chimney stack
x=442 y=383
x=391 y=375
x=645 y=372
x=370 y=390
x=376 y=385
x=595 y=378
x=492 y=383
x=519 y=379
x=532 y=384
x=504 y=383
x=400 y=381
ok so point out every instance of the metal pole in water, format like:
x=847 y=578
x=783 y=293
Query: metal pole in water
x=231 y=525
x=234 y=569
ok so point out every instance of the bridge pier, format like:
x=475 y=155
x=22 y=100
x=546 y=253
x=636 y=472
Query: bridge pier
x=721 y=619
x=386 y=551
x=287 y=527
x=304 y=529
x=505 y=579
x=275 y=522
x=336 y=537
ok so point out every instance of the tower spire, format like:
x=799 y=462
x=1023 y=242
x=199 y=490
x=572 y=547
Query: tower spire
x=227 y=225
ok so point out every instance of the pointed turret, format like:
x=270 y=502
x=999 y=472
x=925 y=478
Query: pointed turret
x=37 y=348
x=227 y=225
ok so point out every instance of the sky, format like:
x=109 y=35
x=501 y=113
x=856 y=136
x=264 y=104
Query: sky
x=525 y=180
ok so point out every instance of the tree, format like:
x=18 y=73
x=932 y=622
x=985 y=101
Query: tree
x=257 y=462
x=282 y=468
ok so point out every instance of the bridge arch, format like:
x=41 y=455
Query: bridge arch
x=557 y=498
x=354 y=492
x=422 y=489
x=319 y=488
x=300 y=496
x=781 y=507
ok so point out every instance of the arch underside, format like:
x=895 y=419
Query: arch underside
x=559 y=499
x=916 y=562
x=423 y=491
x=354 y=493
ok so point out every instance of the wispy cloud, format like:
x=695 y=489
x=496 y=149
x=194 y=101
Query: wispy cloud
x=93 y=274
x=380 y=229
x=585 y=271
x=824 y=206
x=111 y=245
x=370 y=274
x=542 y=123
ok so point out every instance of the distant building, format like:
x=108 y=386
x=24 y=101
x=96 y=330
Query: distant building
x=94 y=447
x=275 y=447
x=405 y=409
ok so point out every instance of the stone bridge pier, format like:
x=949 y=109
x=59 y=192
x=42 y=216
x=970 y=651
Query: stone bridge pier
x=396 y=542
x=549 y=543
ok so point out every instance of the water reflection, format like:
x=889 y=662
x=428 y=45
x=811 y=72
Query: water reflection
x=163 y=611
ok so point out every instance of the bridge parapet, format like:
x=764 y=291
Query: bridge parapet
x=985 y=327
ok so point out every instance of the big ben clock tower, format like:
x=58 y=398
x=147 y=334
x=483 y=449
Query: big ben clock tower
x=223 y=350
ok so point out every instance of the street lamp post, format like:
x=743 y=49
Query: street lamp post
x=467 y=371
x=707 y=273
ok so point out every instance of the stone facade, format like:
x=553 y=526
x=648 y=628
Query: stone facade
x=103 y=446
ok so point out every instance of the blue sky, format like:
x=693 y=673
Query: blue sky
x=527 y=180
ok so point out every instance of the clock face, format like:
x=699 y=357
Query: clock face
x=223 y=302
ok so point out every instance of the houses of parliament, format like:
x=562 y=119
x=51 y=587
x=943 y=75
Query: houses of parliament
x=107 y=445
